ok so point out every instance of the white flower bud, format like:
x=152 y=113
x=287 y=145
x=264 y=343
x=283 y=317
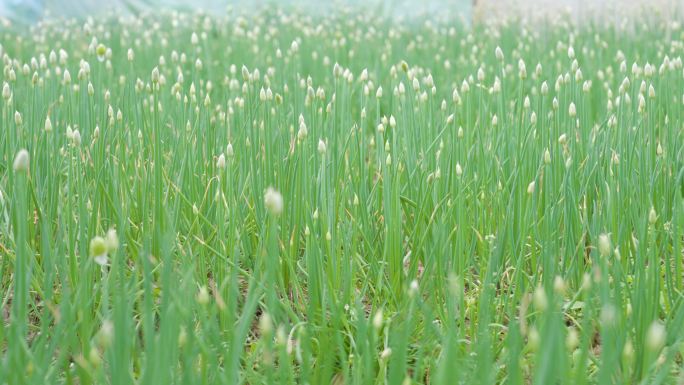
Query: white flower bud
x=496 y=88
x=499 y=54
x=302 y=132
x=76 y=138
x=221 y=162
x=604 y=245
x=413 y=288
x=480 y=75
x=6 y=91
x=533 y=339
x=21 y=161
x=544 y=88
x=522 y=71
x=539 y=299
x=273 y=201
x=48 y=124
x=559 y=285
x=378 y=319
x=652 y=216
x=98 y=250
x=364 y=75
x=648 y=70
x=112 y=241
x=203 y=296
x=586 y=86
x=655 y=336
x=105 y=335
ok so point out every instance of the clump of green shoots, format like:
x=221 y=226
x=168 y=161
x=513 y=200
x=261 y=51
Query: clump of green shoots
x=271 y=197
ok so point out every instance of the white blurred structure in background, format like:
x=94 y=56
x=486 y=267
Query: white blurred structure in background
x=582 y=8
x=33 y=10
x=29 y=11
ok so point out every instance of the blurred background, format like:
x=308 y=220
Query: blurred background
x=30 y=11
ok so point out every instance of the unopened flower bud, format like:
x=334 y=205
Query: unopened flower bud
x=273 y=201
x=655 y=336
x=21 y=161
x=604 y=245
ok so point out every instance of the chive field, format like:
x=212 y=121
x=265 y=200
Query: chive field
x=283 y=196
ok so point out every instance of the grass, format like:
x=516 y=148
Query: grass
x=281 y=197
